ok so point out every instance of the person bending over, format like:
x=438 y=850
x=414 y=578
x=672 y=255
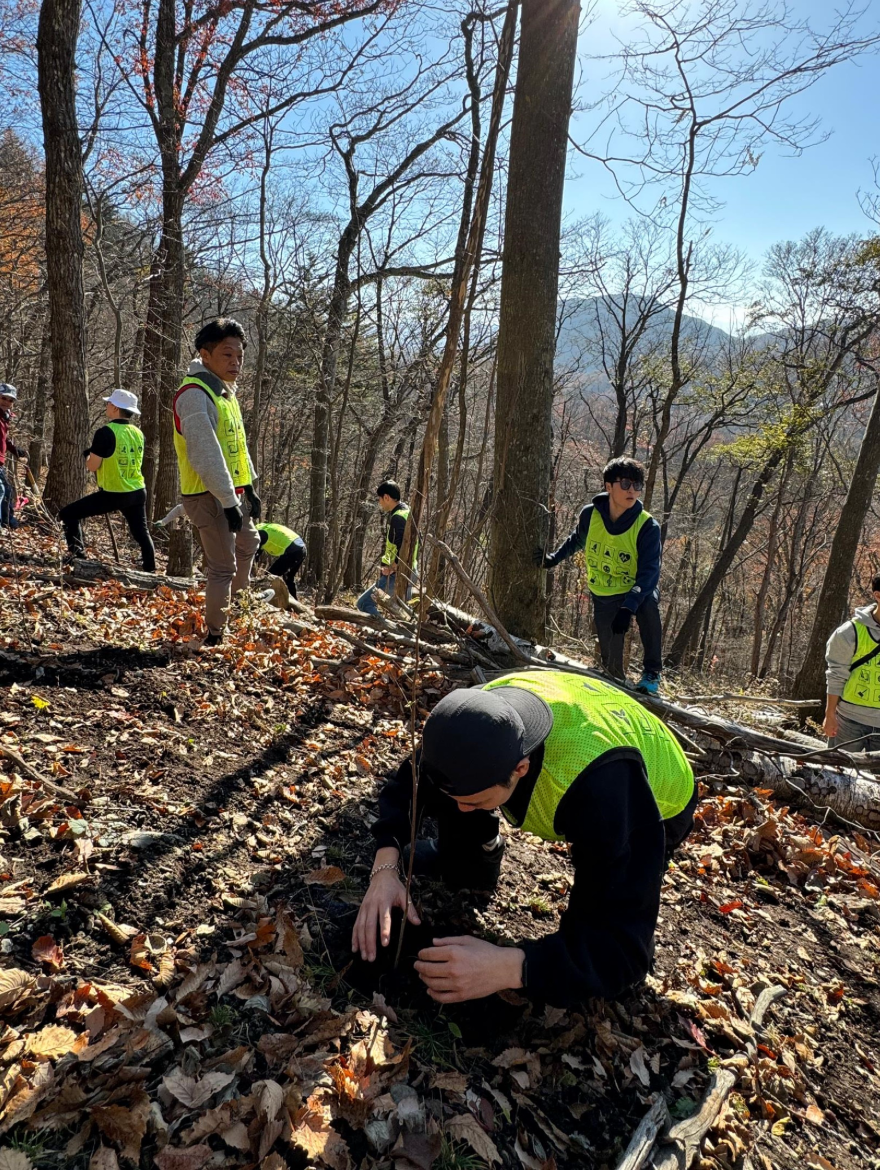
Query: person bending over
x=565 y=758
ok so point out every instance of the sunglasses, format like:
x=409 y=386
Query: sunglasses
x=634 y=485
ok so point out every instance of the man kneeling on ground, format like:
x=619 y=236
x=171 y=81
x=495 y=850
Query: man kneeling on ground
x=566 y=758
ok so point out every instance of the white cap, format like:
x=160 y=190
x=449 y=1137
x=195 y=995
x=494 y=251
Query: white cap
x=124 y=399
x=7 y=390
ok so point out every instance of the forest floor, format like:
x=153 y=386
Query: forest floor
x=176 y=980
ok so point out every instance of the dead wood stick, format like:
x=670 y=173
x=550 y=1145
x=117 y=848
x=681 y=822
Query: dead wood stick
x=519 y=654
x=764 y=1001
x=642 y=1141
x=341 y=613
x=758 y=699
x=58 y=789
x=112 y=538
x=689 y=1133
x=362 y=645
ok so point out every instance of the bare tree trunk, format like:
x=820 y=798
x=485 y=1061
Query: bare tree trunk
x=764 y=589
x=41 y=396
x=527 y=329
x=56 y=68
x=832 y=605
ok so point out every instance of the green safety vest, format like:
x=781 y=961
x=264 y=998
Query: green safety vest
x=230 y=436
x=612 y=560
x=863 y=685
x=279 y=538
x=591 y=719
x=121 y=471
x=390 y=554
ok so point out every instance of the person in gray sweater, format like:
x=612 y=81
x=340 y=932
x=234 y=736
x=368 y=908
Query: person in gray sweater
x=852 y=707
x=216 y=473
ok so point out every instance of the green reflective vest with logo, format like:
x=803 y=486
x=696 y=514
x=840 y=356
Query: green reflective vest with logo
x=121 y=471
x=390 y=554
x=591 y=719
x=230 y=436
x=278 y=538
x=612 y=561
x=863 y=685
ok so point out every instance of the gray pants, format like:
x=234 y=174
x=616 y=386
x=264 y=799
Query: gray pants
x=855 y=737
x=611 y=644
x=228 y=555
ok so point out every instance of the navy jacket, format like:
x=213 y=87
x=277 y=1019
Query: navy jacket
x=648 y=547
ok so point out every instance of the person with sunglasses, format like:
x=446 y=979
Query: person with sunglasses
x=622 y=549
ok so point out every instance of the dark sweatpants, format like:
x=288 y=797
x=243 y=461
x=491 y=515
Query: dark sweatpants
x=611 y=644
x=289 y=563
x=132 y=505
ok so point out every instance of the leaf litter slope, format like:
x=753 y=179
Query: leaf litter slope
x=176 y=985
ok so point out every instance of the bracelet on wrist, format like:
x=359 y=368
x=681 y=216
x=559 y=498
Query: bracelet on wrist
x=395 y=865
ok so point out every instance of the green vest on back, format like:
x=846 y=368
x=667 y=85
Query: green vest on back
x=230 y=436
x=612 y=561
x=390 y=554
x=121 y=471
x=863 y=685
x=278 y=538
x=591 y=719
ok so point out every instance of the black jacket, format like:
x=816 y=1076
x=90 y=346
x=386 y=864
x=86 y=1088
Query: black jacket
x=610 y=819
x=648 y=545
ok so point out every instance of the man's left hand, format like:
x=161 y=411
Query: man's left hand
x=256 y=504
x=620 y=621
x=456 y=969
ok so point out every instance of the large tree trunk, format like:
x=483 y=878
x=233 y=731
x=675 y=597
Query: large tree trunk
x=56 y=65
x=41 y=398
x=832 y=605
x=529 y=288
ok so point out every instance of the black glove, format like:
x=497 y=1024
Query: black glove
x=255 y=503
x=620 y=621
x=540 y=559
x=234 y=518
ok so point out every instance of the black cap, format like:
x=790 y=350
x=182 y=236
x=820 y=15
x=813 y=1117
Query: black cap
x=473 y=739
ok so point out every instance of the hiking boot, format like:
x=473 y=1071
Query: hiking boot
x=472 y=871
x=649 y=683
x=211 y=640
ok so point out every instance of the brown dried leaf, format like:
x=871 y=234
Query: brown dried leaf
x=465 y=1127
x=287 y=939
x=51 y=1042
x=67 y=881
x=125 y=1126
x=321 y=1142
x=165 y=974
x=192 y=1092
x=46 y=950
x=15 y=1160
x=329 y=876
x=192 y=1158
x=104 y=1158
x=273 y=1162
x=22 y=1105
x=140 y=953
x=14 y=984
x=234 y=973
x=119 y=932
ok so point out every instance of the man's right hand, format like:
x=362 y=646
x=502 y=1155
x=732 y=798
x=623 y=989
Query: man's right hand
x=234 y=518
x=540 y=558
x=374 y=917
x=831 y=726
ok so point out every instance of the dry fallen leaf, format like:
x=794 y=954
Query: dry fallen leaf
x=329 y=876
x=140 y=953
x=51 y=1042
x=46 y=950
x=14 y=984
x=192 y=1158
x=15 y=1160
x=816 y=1162
x=104 y=1158
x=192 y=1092
x=465 y=1127
x=67 y=881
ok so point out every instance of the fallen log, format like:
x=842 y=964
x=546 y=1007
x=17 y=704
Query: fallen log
x=847 y=794
x=86 y=572
x=685 y=1136
x=642 y=1141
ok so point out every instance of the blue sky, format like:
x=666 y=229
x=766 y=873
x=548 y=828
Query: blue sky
x=785 y=196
